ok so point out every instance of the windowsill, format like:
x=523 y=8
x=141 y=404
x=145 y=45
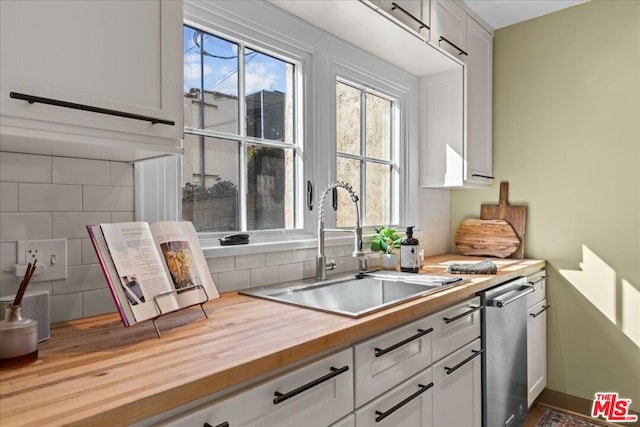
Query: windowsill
x=261 y=244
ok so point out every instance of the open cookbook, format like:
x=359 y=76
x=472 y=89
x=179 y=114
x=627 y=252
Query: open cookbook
x=152 y=269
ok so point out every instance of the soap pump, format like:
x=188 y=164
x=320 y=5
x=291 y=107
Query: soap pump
x=409 y=262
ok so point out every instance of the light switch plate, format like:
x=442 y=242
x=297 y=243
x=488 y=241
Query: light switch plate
x=51 y=255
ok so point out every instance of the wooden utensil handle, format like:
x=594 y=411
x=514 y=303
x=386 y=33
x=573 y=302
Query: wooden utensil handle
x=504 y=193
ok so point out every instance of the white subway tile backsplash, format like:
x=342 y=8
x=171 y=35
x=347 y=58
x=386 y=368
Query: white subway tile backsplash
x=292 y=272
x=8 y=280
x=72 y=225
x=65 y=170
x=25 y=226
x=65 y=307
x=8 y=197
x=221 y=264
x=109 y=199
x=264 y=276
x=122 y=217
x=304 y=254
x=80 y=278
x=121 y=174
x=15 y=167
x=97 y=302
x=279 y=258
x=74 y=251
x=246 y=262
x=88 y=253
x=49 y=198
x=233 y=280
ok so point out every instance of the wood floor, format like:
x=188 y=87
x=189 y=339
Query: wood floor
x=535 y=413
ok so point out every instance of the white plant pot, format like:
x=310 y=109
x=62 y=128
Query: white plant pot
x=389 y=261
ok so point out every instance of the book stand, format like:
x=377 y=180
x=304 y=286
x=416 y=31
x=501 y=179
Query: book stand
x=201 y=304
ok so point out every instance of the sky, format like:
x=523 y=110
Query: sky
x=220 y=67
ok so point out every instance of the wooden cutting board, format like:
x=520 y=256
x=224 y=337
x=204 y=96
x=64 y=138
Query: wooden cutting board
x=516 y=216
x=486 y=238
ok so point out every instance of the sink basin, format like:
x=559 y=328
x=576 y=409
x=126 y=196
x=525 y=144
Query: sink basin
x=355 y=297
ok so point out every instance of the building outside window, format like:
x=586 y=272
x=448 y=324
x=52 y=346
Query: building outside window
x=242 y=161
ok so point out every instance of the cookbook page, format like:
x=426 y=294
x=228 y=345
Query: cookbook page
x=185 y=261
x=140 y=267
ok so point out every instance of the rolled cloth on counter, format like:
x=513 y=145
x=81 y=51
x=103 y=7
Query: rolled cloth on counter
x=483 y=267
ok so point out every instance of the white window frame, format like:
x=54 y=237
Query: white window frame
x=323 y=58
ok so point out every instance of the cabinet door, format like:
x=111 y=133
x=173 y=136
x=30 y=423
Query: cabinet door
x=348 y=421
x=479 y=104
x=539 y=283
x=457 y=399
x=449 y=27
x=386 y=360
x=408 y=405
x=455 y=327
x=319 y=402
x=123 y=56
x=441 y=129
x=409 y=13
x=536 y=350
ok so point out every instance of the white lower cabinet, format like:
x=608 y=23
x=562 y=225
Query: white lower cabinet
x=536 y=337
x=315 y=395
x=457 y=391
x=408 y=405
x=422 y=374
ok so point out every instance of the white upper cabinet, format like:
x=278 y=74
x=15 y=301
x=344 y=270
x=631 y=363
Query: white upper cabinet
x=373 y=27
x=456 y=106
x=412 y=13
x=118 y=58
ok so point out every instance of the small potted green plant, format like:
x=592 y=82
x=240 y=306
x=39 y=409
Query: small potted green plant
x=385 y=240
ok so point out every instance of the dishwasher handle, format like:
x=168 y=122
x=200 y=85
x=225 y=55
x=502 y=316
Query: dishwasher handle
x=509 y=297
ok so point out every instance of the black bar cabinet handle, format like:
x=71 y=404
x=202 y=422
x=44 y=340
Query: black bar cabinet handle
x=462 y=52
x=448 y=320
x=538 y=280
x=382 y=415
x=334 y=198
x=224 y=424
x=544 y=308
x=281 y=397
x=309 y=195
x=483 y=176
x=58 y=103
x=475 y=354
x=395 y=5
x=383 y=351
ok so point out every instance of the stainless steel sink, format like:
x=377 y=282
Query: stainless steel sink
x=355 y=297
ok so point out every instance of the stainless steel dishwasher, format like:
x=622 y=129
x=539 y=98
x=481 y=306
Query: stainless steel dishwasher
x=505 y=361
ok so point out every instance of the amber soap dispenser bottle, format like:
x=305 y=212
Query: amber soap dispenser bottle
x=409 y=262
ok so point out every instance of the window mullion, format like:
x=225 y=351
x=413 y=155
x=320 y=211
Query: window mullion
x=363 y=153
x=242 y=122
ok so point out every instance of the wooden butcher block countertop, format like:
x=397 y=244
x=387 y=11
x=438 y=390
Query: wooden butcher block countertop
x=96 y=372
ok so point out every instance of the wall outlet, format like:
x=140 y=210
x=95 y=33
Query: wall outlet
x=51 y=256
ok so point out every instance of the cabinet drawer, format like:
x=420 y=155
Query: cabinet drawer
x=539 y=283
x=387 y=359
x=410 y=404
x=455 y=327
x=320 y=394
x=457 y=393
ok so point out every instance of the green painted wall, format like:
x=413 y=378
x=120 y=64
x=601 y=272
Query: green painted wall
x=567 y=138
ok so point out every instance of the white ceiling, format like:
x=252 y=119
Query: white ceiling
x=501 y=13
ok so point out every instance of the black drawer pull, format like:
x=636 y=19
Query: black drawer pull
x=455 y=368
x=383 y=351
x=281 y=397
x=544 y=308
x=538 y=280
x=395 y=5
x=461 y=52
x=58 y=103
x=382 y=415
x=224 y=424
x=482 y=176
x=448 y=320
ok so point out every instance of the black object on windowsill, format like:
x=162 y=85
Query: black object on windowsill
x=234 y=239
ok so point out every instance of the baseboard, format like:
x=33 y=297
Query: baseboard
x=577 y=405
